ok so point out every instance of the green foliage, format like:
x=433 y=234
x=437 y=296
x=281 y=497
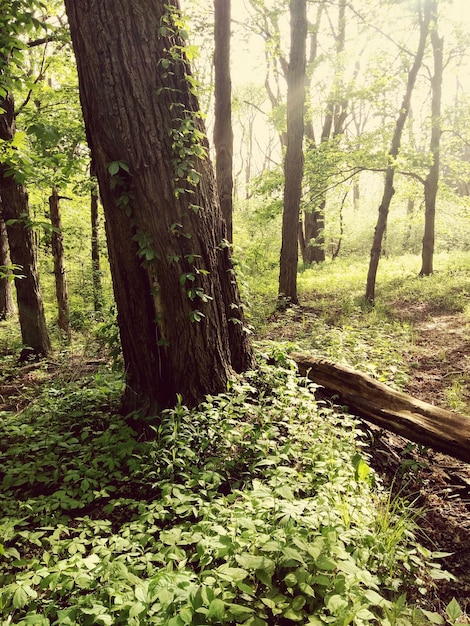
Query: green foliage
x=11 y=271
x=255 y=508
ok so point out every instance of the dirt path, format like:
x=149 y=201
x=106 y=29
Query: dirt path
x=440 y=374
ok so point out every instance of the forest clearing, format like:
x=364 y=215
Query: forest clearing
x=234 y=312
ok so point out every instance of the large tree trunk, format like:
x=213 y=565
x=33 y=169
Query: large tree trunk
x=223 y=134
x=414 y=419
x=7 y=305
x=61 y=290
x=15 y=209
x=179 y=311
x=432 y=180
x=293 y=162
x=389 y=190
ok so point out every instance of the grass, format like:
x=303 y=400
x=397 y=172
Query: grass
x=333 y=321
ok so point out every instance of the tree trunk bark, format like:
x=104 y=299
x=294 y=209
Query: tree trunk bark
x=389 y=190
x=15 y=208
x=179 y=311
x=61 y=290
x=432 y=180
x=398 y=412
x=7 y=305
x=293 y=162
x=223 y=134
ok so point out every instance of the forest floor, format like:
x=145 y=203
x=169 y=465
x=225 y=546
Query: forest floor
x=440 y=361
x=436 y=484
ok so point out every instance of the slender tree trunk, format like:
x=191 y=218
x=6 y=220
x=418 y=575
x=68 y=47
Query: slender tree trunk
x=333 y=125
x=61 y=290
x=389 y=190
x=7 y=305
x=179 y=311
x=15 y=207
x=432 y=180
x=223 y=134
x=410 y=209
x=293 y=162
x=95 y=252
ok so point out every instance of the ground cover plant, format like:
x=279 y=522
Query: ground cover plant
x=259 y=507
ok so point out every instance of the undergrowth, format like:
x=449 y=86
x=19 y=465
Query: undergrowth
x=258 y=508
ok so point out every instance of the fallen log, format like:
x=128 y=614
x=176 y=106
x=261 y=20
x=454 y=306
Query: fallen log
x=418 y=421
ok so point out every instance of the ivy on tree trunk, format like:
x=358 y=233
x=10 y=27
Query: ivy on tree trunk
x=179 y=311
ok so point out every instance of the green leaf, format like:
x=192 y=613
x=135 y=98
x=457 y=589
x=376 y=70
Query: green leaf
x=141 y=593
x=293 y=615
x=253 y=562
x=217 y=609
x=186 y=615
x=36 y=620
x=298 y=603
x=231 y=574
x=292 y=555
x=290 y=580
x=20 y=598
x=335 y=604
x=113 y=168
x=136 y=609
x=434 y=618
x=237 y=610
x=263 y=576
x=325 y=563
x=453 y=610
x=374 y=598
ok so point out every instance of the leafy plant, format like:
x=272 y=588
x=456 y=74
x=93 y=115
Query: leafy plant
x=258 y=507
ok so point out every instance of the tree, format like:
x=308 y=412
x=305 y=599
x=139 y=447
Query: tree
x=7 y=306
x=179 y=311
x=389 y=191
x=333 y=125
x=223 y=134
x=61 y=289
x=432 y=179
x=95 y=249
x=293 y=161
x=14 y=19
x=15 y=214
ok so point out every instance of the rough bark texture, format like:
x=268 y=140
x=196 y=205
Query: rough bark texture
x=293 y=162
x=223 y=134
x=165 y=234
x=14 y=201
x=431 y=183
x=414 y=419
x=7 y=305
x=95 y=252
x=389 y=190
x=61 y=290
